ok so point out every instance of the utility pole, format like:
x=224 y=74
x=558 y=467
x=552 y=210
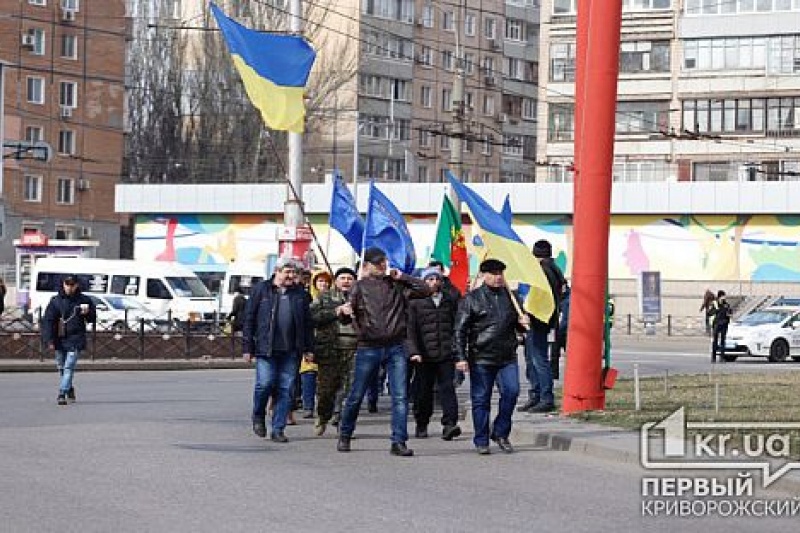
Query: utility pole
x=296 y=237
x=459 y=110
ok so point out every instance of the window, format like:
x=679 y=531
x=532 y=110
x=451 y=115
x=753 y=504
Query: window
x=490 y=28
x=469 y=24
x=425 y=56
x=515 y=30
x=642 y=117
x=448 y=21
x=447 y=100
x=65 y=192
x=35 y=90
x=66 y=142
x=428 y=16
x=69 y=46
x=426 y=96
x=425 y=139
x=644 y=56
x=34 y=134
x=528 y=109
x=444 y=142
x=37 y=2
x=65 y=232
x=560 y=122
x=488 y=66
x=68 y=94
x=488 y=105
x=486 y=177
x=38 y=41
x=71 y=5
x=33 y=188
x=156 y=289
x=486 y=146
x=448 y=60
x=512 y=145
x=128 y=285
x=469 y=64
x=515 y=68
x=423 y=175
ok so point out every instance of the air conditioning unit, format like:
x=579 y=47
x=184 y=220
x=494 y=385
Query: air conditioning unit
x=28 y=40
x=85 y=232
x=420 y=21
x=68 y=15
x=66 y=111
x=489 y=81
x=502 y=118
x=495 y=44
x=84 y=184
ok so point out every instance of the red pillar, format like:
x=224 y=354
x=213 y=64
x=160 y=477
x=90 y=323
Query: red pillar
x=596 y=96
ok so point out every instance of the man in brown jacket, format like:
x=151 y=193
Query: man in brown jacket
x=378 y=304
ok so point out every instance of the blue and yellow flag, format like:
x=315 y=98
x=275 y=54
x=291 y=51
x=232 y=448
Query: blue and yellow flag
x=501 y=242
x=274 y=70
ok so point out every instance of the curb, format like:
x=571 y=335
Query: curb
x=87 y=365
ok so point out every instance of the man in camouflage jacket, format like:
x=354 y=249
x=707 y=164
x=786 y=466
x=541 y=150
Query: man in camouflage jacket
x=335 y=345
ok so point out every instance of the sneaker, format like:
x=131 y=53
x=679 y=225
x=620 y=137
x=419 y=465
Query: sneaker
x=542 y=408
x=401 y=450
x=483 y=450
x=260 y=427
x=450 y=432
x=71 y=395
x=372 y=407
x=335 y=420
x=309 y=413
x=279 y=436
x=528 y=405
x=319 y=428
x=344 y=444
x=62 y=399
x=421 y=432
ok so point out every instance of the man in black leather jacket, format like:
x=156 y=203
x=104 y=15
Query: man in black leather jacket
x=378 y=305
x=486 y=342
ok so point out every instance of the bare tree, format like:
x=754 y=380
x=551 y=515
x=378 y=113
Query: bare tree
x=190 y=119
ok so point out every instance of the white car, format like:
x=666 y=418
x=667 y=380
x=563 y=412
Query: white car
x=123 y=313
x=773 y=333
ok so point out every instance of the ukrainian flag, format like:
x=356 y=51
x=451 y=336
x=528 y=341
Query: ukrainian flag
x=501 y=242
x=274 y=70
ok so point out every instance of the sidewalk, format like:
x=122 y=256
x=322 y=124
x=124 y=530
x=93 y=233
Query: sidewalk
x=561 y=433
x=86 y=364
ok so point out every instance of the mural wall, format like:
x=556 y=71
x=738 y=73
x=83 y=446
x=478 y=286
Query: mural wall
x=715 y=247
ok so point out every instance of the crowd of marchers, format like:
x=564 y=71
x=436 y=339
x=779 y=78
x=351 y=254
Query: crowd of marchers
x=340 y=333
x=421 y=332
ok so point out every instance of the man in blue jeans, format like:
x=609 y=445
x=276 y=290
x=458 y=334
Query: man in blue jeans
x=486 y=343
x=277 y=331
x=64 y=331
x=538 y=369
x=378 y=305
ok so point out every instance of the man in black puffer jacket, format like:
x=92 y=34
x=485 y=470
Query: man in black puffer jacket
x=430 y=336
x=64 y=330
x=486 y=336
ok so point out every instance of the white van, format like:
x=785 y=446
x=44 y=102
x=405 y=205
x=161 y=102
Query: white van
x=243 y=274
x=165 y=289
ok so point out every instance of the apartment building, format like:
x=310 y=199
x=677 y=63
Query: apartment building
x=63 y=88
x=708 y=91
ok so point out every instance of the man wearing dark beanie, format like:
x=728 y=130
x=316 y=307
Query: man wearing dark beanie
x=538 y=371
x=378 y=305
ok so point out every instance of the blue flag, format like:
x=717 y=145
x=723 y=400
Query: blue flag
x=344 y=216
x=386 y=229
x=506 y=211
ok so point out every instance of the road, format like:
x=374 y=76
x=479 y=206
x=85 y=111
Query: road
x=173 y=451
x=681 y=355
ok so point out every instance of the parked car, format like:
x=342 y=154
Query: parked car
x=773 y=333
x=123 y=313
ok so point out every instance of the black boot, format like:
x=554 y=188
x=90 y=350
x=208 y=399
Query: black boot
x=344 y=444
x=401 y=450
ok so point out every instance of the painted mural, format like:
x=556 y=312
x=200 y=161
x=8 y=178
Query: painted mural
x=714 y=247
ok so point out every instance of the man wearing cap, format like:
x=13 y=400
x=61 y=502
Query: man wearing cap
x=538 y=370
x=64 y=330
x=378 y=304
x=486 y=329
x=430 y=336
x=335 y=344
x=277 y=331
